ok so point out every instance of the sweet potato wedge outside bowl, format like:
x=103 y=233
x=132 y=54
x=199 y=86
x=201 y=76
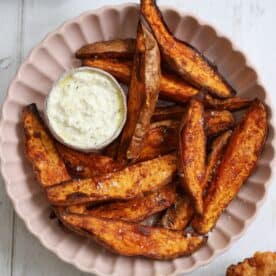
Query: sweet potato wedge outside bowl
x=182 y=57
x=239 y=161
x=134 y=210
x=128 y=183
x=40 y=149
x=118 y=48
x=231 y=104
x=84 y=165
x=131 y=239
x=152 y=74
x=192 y=150
x=172 y=87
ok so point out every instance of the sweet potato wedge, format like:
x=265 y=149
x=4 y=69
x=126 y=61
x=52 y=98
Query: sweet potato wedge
x=172 y=87
x=182 y=57
x=239 y=160
x=128 y=183
x=178 y=216
x=132 y=239
x=174 y=112
x=261 y=264
x=152 y=75
x=192 y=149
x=84 y=165
x=118 y=48
x=214 y=158
x=135 y=95
x=120 y=69
x=134 y=210
x=40 y=149
x=217 y=121
x=161 y=139
x=231 y=104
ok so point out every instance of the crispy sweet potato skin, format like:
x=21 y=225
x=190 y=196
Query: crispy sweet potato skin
x=118 y=48
x=128 y=183
x=192 y=148
x=231 y=104
x=84 y=165
x=217 y=121
x=135 y=95
x=174 y=112
x=239 y=161
x=132 y=239
x=40 y=149
x=261 y=264
x=178 y=216
x=152 y=75
x=182 y=57
x=172 y=87
x=120 y=69
x=161 y=139
x=134 y=210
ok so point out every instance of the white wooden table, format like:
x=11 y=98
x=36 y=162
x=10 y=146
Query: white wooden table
x=23 y=23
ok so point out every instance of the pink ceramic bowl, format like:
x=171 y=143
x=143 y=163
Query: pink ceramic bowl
x=46 y=63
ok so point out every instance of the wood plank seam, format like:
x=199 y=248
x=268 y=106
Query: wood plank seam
x=19 y=42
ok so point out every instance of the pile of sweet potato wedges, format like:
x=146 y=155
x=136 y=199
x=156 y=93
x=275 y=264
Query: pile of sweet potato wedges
x=184 y=162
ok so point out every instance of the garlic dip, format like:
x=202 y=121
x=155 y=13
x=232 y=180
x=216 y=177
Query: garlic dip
x=86 y=108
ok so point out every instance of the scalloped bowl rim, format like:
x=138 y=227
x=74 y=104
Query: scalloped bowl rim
x=216 y=252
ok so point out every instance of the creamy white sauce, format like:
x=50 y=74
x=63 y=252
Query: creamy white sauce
x=85 y=109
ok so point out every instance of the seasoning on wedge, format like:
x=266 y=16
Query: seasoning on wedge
x=217 y=121
x=128 y=183
x=192 y=150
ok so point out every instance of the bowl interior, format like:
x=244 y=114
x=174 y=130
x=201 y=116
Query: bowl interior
x=46 y=63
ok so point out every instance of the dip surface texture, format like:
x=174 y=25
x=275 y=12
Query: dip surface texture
x=85 y=108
